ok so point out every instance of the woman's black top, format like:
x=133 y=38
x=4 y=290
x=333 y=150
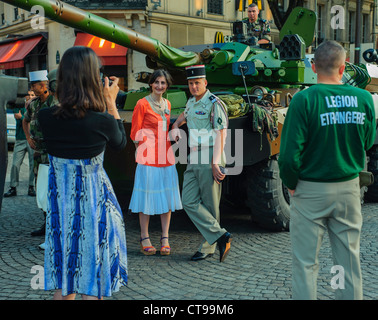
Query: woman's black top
x=81 y=138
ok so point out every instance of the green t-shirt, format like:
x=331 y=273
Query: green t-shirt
x=326 y=132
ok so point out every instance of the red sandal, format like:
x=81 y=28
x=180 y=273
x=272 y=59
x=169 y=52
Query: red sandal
x=164 y=250
x=148 y=250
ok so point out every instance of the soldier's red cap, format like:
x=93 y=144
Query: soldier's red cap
x=194 y=72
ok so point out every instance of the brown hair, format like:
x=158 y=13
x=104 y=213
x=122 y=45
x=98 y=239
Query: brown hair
x=160 y=73
x=79 y=87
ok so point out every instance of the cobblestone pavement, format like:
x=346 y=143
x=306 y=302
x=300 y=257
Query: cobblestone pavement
x=258 y=266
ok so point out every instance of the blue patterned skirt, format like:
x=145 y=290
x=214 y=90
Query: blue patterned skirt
x=85 y=234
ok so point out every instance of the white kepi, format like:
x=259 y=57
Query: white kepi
x=37 y=76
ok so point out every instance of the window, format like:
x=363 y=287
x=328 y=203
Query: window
x=320 y=28
x=352 y=24
x=336 y=34
x=365 y=28
x=16 y=15
x=215 y=6
x=123 y=4
x=2 y=19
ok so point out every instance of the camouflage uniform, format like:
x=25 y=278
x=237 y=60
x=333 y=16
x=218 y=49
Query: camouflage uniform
x=259 y=29
x=31 y=114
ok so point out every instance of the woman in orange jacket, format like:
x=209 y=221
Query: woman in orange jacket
x=156 y=187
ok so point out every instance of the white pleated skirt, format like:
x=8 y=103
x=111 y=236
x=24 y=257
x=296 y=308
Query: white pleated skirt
x=156 y=190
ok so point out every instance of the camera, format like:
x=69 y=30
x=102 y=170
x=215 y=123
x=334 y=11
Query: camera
x=103 y=80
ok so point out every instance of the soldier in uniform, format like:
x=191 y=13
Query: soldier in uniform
x=33 y=133
x=206 y=118
x=21 y=147
x=257 y=27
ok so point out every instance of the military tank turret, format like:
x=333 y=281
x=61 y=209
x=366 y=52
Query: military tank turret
x=257 y=83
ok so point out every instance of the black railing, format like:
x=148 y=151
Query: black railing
x=106 y=4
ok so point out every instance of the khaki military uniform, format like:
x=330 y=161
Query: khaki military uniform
x=201 y=194
x=259 y=29
x=31 y=115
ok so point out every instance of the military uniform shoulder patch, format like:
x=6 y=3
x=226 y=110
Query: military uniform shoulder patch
x=213 y=98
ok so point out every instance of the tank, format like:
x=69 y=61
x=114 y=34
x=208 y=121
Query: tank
x=256 y=82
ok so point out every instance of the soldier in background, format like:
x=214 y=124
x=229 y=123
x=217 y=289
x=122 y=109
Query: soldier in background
x=33 y=133
x=21 y=147
x=257 y=27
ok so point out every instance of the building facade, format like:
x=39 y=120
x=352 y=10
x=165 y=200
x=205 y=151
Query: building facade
x=337 y=20
x=177 y=23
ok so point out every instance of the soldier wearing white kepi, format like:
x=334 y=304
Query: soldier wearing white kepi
x=39 y=84
x=207 y=121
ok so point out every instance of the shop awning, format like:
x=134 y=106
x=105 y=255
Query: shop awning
x=110 y=53
x=12 y=54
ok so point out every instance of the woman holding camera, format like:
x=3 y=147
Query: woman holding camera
x=85 y=235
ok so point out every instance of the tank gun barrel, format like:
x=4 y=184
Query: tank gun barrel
x=88 y=22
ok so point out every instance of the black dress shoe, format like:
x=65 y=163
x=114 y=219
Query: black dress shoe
x=12 y=192
x=200 y=256
x=31 y=191
x=224 y=245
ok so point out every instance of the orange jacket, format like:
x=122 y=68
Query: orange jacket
x=151 y=130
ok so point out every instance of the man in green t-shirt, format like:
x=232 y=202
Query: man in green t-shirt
x=327 y=130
